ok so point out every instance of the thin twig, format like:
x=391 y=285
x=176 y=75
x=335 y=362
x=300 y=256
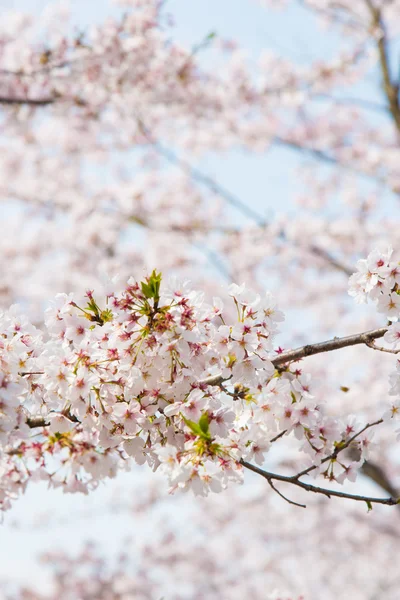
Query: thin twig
x=318 y=490
x=382 y=349
x=360 y=102
x=327 y=158
x=228 y=196
x=214 y=260
x=281 y=434
x=330 y=259
x=202 y=178
x=25 y=373
x=29 y=101
x=341 y=446
x=284 y=497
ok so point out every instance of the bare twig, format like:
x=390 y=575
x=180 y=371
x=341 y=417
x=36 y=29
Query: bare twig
x=331 y=260
x=28 y=101
x=277 y=437
x=228 y=196
x=327 y=158
x=202 y=178
x=214 y=260
x=285 y=497
x=318 y=490
x=26 y=373
x=382 y=349
x=359 y=102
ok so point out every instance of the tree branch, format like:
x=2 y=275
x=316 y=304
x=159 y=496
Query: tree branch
x=29 y=101
x=390 y=88
x=197 y=175
x=293 y=355
x=331 y=260
x=317 y=490
x=285 y=497
x=382 y=349
x=342 y=446
x=277 y=437
x=335 y=344
x=201 y=177
x=34 y=422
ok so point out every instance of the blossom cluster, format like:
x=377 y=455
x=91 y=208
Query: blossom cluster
x=159 y=376
x=378 y=279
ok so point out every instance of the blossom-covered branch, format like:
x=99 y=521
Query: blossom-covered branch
x=156 y=374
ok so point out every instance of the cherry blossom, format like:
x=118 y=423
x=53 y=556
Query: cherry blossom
x=105 y=134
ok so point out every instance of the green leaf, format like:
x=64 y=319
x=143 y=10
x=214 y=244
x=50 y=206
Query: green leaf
x=195 y=427
x=106 y=315
x=146 y=289
x=204 y=423
x=138 y=221
x=151 y=288
x=201 y=428
x=368 y=503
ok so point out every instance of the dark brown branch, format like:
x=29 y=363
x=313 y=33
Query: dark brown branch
x=310 y=349
x=359 y=338
x=277 y=437
x=26 y=373
x=377 y=474
x=34 y=422
x=28 y=101
x=285 y=497
x=318 y=490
